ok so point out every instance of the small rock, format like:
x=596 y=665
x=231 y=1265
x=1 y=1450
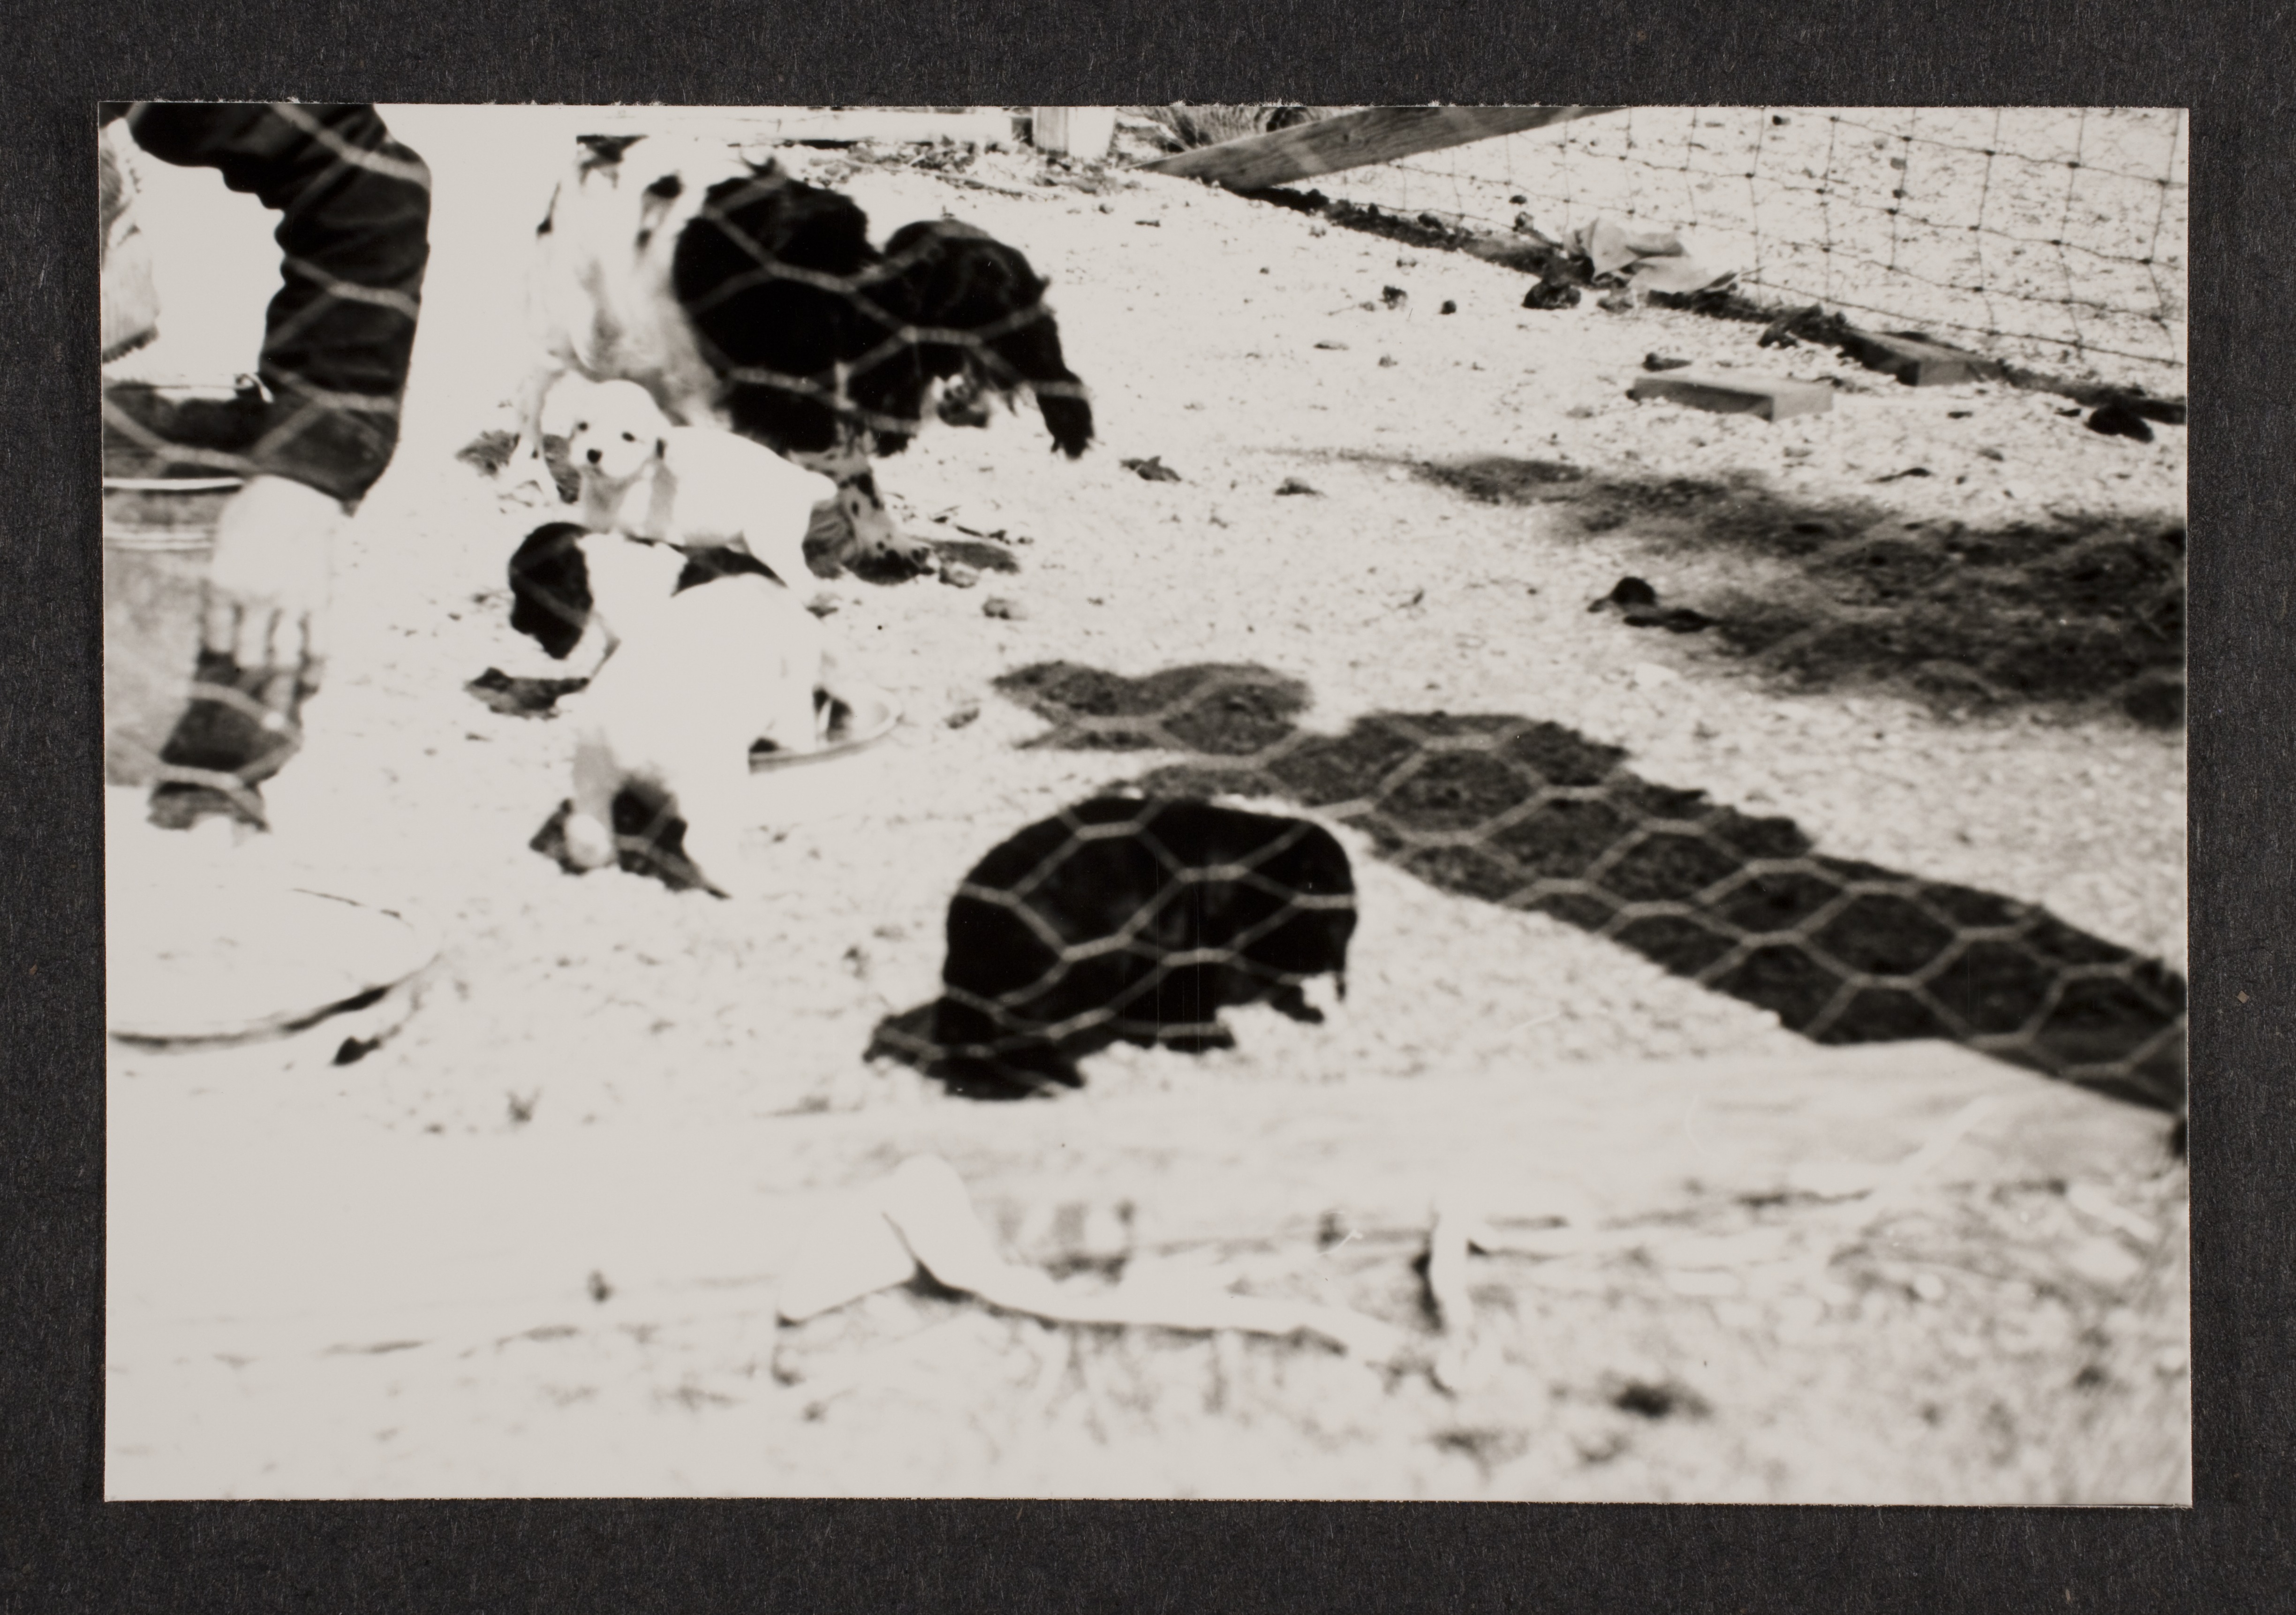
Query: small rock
x=1618 y=302
x=1387 y=361
x=1517 y=202
x=1407 y=262
x=1150 y=470
x=1317 y=230
x=1625 y=594
x=959 y=576
x=1152 y=224
x=1333 y=347
x=2119 y=421
x=1655 y=362
x=1108 y=207
x=2102 y=1261
x=1394 y=297
x=1552 y=294
x=1010 y=611
x=1449 y=306
x=962 y=715
x=1292 y=485
x=1990 y=453
x=825 y=605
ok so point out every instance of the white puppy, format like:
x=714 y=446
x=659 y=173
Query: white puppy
x=694 y=487
x=679 y=705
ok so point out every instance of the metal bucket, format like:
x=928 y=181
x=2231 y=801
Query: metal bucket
x=159 y=535
x=167 y=465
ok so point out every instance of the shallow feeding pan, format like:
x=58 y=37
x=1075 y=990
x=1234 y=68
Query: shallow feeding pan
x=193 y=968
x=852 y=727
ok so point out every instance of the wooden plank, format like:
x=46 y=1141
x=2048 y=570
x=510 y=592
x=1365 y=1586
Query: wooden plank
x=830 y=125
x=1773 y=398
x=1918 y=364
x=1354 y=139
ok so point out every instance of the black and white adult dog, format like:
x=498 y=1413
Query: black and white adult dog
x=741 y=296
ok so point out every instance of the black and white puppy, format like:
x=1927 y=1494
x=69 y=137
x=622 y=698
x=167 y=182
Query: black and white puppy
x=677 y=708
x=572 y=589
x=743 y=296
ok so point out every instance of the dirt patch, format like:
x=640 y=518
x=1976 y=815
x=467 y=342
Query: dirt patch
x=1532 y=815
x=2074 y=610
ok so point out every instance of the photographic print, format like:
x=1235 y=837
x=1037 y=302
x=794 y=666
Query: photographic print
x=1201 y=801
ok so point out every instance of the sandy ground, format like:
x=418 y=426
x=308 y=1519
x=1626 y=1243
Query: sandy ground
x=375 y=1279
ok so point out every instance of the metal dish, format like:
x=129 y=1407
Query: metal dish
x=870 y=719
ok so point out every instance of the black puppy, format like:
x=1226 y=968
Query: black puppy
x=829 y=347
x=1134 y=920
x=815 y=328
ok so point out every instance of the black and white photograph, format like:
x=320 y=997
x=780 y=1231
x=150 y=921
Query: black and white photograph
x=1201 y=801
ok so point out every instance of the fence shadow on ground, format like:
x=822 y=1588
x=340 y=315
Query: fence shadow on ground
x=1531 y=814
x=2067 y=609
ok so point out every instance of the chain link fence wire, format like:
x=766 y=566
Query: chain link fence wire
x=2050 y=236
x=1531 y=815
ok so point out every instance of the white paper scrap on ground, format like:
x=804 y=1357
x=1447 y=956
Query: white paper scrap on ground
x=922 y=1216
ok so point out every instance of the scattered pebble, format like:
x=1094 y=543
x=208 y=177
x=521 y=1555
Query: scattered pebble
x=1151 y=469
x=1660 y=361
x=1011 y=610
x=1292 y=485
x=1152 y=224
x=1394 y=297
x=962 y=715
x=959 y=576
x=1449 y=306
x=1387 y=361
x=825 y=605
x=2119 y=421
x=1333 y=347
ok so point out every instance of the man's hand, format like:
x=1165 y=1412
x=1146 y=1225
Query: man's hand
x=268 y=587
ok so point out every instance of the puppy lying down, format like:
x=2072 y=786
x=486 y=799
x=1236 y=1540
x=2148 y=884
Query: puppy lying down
x=679 y=706
x=694 y=487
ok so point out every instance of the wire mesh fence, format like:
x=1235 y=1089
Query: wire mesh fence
x=1531 y=814
x=2049 y=236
